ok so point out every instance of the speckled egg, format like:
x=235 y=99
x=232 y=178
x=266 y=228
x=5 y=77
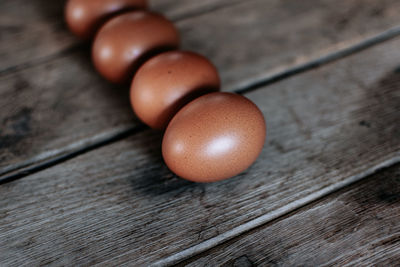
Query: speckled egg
x=128 y=40
x=214 y=137
x=84 y=17
x=166 y=82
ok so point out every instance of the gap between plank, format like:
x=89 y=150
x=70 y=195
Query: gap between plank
x=268 y=217
x=323 y=60
x=29 y=167
x=47 y=163
x=205 y=10
x=39 y=61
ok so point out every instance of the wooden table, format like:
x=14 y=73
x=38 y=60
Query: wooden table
x=83 y=181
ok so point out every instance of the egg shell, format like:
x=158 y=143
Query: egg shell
x=214 y=137
x=168 y=81
x=84 y=17
x=128 y=40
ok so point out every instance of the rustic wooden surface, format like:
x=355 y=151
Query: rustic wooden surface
x=357 y=226
x=39 y=101
x=117 y=204
x=110 y=200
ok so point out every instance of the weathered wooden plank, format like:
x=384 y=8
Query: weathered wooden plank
x=34 y=31
x=120 y=204
x=39 y=105
x=22 y=134
x=357 y=226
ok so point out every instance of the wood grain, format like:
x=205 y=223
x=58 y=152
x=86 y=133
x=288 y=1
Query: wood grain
x=357 y=226
x=42 y=35
x=61 y=105
x=120 y=204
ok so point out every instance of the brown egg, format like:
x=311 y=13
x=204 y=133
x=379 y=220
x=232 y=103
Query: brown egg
x=127 y=40
x=167 y=82
x=214 y=137
x=84 y=17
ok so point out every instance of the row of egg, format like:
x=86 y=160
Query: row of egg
x=209 y=135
